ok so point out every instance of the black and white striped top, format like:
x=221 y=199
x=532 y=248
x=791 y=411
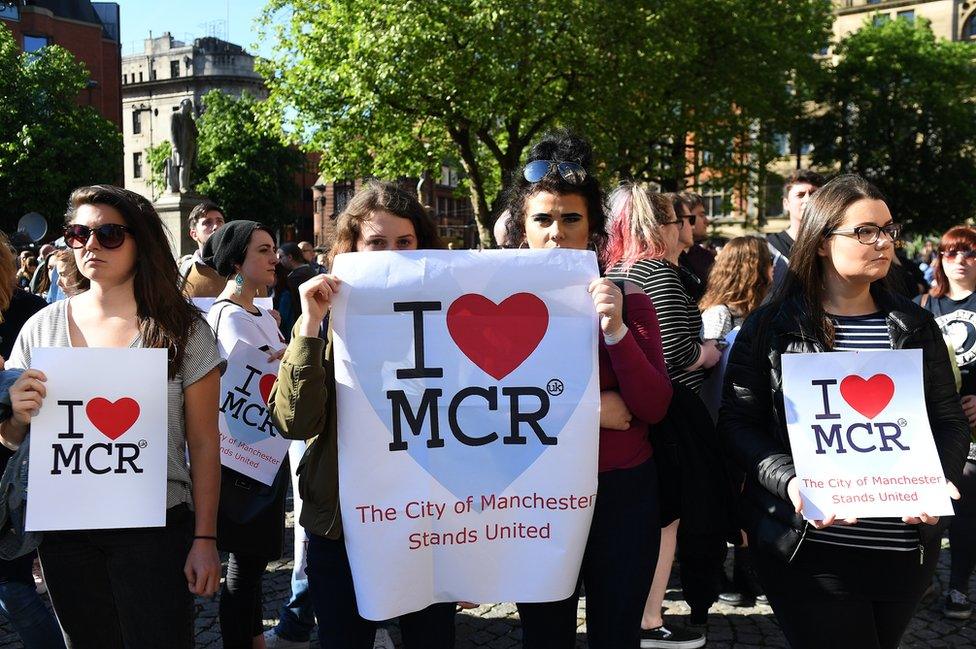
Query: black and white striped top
x=860 y=333
x=677 y=313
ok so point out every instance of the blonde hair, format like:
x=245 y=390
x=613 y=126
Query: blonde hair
x=637 y=217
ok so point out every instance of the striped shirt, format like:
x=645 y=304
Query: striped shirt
x=854 y=334
x=677 y=314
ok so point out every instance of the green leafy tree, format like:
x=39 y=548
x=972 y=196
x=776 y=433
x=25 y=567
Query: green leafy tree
x=49 y=145
x=899 y=108
x=244 y=163
x=156 y=157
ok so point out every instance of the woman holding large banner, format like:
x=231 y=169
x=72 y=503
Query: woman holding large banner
x=952 y=301
x=557 y=203
x=838 y=583
x=131 y=587
x=251 y=517
x=380 y=217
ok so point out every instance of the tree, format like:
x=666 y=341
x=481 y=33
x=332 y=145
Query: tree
x=899 y=108
x=49 y=145
x=156 y=157
x=393 y=87
x=243 y=162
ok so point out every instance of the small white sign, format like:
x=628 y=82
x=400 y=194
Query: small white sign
x=861 y=439
x=249 y=442
x=99 y=443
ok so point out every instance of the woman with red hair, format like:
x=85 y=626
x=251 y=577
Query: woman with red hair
x=952 y=300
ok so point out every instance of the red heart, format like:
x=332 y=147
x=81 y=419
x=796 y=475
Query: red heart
x=267 y=382
x=870 y=396
x=112 y=419
x=498 y=337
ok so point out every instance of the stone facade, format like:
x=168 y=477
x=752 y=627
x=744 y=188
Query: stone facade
x=168 y=71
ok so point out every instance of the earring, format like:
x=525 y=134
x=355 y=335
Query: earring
x=524 y=244
x=239 y=284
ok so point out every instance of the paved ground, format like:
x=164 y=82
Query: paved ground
x=496 y=626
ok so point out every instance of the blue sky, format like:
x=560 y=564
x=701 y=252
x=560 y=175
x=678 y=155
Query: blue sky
x=187 y=19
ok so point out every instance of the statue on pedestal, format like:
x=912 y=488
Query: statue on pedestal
x=183 y=132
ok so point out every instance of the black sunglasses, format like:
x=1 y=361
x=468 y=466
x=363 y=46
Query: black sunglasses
x=109 y=235
x=571 y=172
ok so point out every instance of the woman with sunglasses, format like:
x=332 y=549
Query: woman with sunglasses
x=952 y=300
x=381 y=216
x=556 y=204
x=648 y=234
x=835 y=583
x=132 y=587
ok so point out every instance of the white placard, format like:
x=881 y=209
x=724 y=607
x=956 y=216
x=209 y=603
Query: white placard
x=860 y=435
x=205 y=303
x=249 y=442
x=99 y=443
x=494 y=501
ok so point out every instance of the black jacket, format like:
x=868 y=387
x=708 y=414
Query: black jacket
x=752 y=422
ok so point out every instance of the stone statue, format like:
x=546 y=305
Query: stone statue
x=183 y=132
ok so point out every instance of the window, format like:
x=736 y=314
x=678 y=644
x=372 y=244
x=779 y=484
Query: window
x=125 y=79
x=136 y=121
x=880 y=19
x=715 y=204
x=873 y=2
x=907 y=15
x=969 y=27
x=34 y=43
x=152 y=74
x=10 y=12
x=174 y=69
x=137 y=165
x=140 y=76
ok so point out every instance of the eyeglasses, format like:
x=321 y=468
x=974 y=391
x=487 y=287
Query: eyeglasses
x=962 y=255
x=680 y=222
x=869 y=234
x=691 y=218
x=571 y=172
x=109 y=235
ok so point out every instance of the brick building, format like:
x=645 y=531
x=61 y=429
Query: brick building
x=89 y=30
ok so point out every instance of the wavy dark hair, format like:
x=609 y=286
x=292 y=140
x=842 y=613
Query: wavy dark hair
x=166 y=318
x=378 y=195
x=804 y=284
x=558 y=146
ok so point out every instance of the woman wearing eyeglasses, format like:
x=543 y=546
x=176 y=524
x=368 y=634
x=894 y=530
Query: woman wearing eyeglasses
x=131 y=587
x=557 y=203
x=648 y=234
x=952 y=300
x=835 y=583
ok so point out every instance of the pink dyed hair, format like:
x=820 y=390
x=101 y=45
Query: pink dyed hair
x=635 y=233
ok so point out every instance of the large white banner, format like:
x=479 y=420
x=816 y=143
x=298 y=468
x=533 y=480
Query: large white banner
x=249 y=442
x=98 y=445
x=468 y=404
x=860 y=435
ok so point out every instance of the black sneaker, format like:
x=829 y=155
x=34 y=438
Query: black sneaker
x=957 y=606
x=735 y=599
x=674 y=637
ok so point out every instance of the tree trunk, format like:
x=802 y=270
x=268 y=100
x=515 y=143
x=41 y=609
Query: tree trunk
x=469 y=161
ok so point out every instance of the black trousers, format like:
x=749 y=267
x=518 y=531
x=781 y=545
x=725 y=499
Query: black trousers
x=241 y=611
x=618 y=567
x=334 y=600
x=962 y=532
x=845 y=598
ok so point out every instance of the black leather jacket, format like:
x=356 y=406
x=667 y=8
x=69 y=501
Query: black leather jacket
x=752 y=421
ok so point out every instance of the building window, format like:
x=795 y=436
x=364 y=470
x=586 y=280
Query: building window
x=136 y=121
x=10 y=12
x=715 y=204
x=174 y=69
x=907 y=15
x=969 y=27
x=880 y=19
x=125 y=79
x=873 y=2
x=34 y=43
x=152 y=74
x=137 y=165
x=140 y=76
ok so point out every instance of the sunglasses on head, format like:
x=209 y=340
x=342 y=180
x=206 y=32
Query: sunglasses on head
x=109 y=235
x=571 y=172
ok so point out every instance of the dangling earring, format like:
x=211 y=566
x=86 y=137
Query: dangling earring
x=239 y=284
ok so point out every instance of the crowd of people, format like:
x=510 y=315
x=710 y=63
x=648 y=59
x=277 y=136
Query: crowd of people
x=694 y=457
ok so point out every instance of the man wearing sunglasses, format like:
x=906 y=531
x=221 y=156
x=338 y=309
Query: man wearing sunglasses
x=697 y=259
x=199 y=279
x=797 y=191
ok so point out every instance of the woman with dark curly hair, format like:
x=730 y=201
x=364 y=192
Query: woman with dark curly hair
x=557 y=203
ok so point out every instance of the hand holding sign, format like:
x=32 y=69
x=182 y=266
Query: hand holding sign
x=609 y=303
x=793 y=490
x=316 y=296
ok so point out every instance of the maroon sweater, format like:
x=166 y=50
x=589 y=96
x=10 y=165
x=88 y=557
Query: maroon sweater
x=635 y=368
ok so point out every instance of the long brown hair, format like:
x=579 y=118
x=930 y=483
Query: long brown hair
x=375 y=196
x=804 y=285
x=739 y=279
x=166 y=318
x=961 y=238
x=8 y=273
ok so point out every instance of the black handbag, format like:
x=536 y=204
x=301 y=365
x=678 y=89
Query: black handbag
x=251 y=515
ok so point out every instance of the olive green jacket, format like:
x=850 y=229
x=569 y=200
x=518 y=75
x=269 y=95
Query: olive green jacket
x=303 y=406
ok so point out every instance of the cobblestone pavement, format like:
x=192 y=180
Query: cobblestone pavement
x=495 y=626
